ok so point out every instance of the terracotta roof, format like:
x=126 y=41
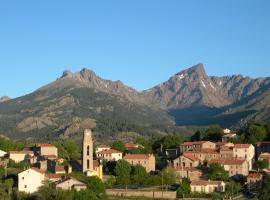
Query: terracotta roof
x=209 y=151
x=59 y=168
x=50 y=156
x=264 y=156
x=242 y=146
x=22 y=152
x=190 y=157
x=45 y=145
x=96 y=164
x=103 y=146
x=52 y=176
x=38 y=170
x=227 y=162
x=255 y=175
x=130 y=145
x=205 y=182
x=136 y=156
x=109 y=151
x=225 y=148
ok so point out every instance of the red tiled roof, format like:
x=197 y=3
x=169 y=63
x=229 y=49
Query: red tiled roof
x=96 y=164
x=255 y=175
x=22 y=152
x=45 y=145
x=205 y=182
x=136 y=156
x=38 y=170
x=190 y=157
x=52 y=176
x=130 y=145
x=59 y=168
x=242 y=146
x=264 y=156
x=109 y=151
x=227 y=162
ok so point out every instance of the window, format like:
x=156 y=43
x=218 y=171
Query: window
x=25 y=186
x=22 y=178
x=88 y=164
x=190 y=164
x=88 y=150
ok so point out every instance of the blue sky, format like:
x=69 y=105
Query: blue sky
x=140 y=42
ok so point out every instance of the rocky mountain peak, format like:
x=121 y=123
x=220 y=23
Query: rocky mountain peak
x=67 y=73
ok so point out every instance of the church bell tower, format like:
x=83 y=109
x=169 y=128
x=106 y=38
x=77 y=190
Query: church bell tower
x=87 y=152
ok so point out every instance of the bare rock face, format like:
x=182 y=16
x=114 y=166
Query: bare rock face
x=4 y=98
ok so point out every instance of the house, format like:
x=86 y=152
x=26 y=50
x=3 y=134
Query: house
x=53 y=177
x=204 y=154
x=19 y=156
x=204 y=186
x=102 y=147
x=46 y=150
x=266 y=157
x=186 y=160
x=110 y=155
x=234 y=167
x=148 y=161
x=245 y=151
x=29 y=181
x=228 y=135
x=70 y=183
x=192 y=173
x=196 y=146
x=254 y=181
x=226 y=152
x=131 y=146
x=224 y=144
x=2 y=154
x=59 y=169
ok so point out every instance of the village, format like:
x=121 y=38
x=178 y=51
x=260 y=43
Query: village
x=192 y=163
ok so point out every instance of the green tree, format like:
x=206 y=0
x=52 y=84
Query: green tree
x=139 y=176
x=95 y=184
x=8 y=184
x=122 y=171
x=255 y=133
x=85 y=195
x=110 y=182
x=214 y=133
x=261 y=165
x=118 y=145
x=233 y=188
x=2 y=173
x=184 y=188
x=196 y=136
x=265 y=193
x=68 y=149
x=217 y=172
x=168 y=178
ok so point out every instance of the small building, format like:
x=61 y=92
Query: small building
x=254 y=181
x=148 y=161
x=102 y=147
x=226 y=152
x=234 y=167
x=46 y=150
x=71 y=183
x=266 y=157
x=196 y=146
x=29 y=181
x=19 y=156
x=172 y=153
x=207 y=187
x=53 y=177
x=228 y=135
x=59 y=169
x=186 y=160
x=110 y=155
x=245 y=151
x=2 y=154
x=192 y=173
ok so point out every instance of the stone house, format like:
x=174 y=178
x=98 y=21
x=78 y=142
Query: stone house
x=204 y=186
x=186 y=160
x=71 y=183
x=254 y=181
x=192 y=173
x=46 y=150
x=196 y=146
x=110 y=155
x=245 y=151
x=102 y=147
x=148 y=161
x=234 y=167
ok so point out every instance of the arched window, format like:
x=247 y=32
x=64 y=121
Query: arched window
x=88 y=150
x=88 y=164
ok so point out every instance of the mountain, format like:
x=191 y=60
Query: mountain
x=76 y=101
x=82 y=99
x=193 y=97
x=4 y=98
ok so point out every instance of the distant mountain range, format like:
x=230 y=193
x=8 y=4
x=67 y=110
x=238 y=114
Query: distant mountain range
x=190 y=97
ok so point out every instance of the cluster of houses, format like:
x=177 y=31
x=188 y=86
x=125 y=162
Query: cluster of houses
x=237 y=159
x=188 y=161
x=46 y=165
